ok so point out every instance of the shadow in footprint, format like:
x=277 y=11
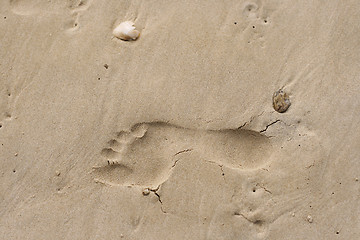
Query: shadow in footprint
x=114 y=173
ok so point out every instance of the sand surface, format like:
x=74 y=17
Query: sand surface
x=174 y=135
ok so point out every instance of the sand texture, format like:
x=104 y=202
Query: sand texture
x=216 y=120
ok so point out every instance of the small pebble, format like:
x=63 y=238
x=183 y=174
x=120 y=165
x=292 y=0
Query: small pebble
x=57 y=173
x=281 y=101
x=309 y=219
x=16 y=154
x=293 y=214
x=356 y=179
x=146 y=192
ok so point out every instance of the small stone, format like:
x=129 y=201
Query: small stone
x=57 y=173
x=293 y=214
x=146 y=192
x=309 y=219
x=281 y=101
x=356 y=179
x=16 y=154
x=106 y=66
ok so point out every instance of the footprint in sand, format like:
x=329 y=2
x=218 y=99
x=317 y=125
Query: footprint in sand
x=147 y=153
x=247 y=22
x=34 y=7
x=76 y=7
x=25 y=8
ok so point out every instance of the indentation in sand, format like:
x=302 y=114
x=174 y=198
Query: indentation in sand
x=25 y=7
x=76 y=7
x=150 y=151
x=247 y=23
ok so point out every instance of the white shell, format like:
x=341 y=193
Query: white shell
x=126 y=31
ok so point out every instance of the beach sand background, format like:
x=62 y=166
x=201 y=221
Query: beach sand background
x=174 y=136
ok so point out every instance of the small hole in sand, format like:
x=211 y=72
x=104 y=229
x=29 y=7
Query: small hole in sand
x=235 y=23
x=106 y=66
x=337 y=232
x=253 y=26
x=14 y=171
x=254 y=190
x=4 y=17
x=332 y=193
x=265 y=21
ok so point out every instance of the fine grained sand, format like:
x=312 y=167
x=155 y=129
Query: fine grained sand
x=174 y=135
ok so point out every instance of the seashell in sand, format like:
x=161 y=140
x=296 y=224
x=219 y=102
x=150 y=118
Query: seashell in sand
x=126 y=31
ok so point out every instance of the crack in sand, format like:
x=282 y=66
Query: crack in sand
x=263 y=187
x=267 y=126
x=251 y=119
x=183 y=151
x=159 y=197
